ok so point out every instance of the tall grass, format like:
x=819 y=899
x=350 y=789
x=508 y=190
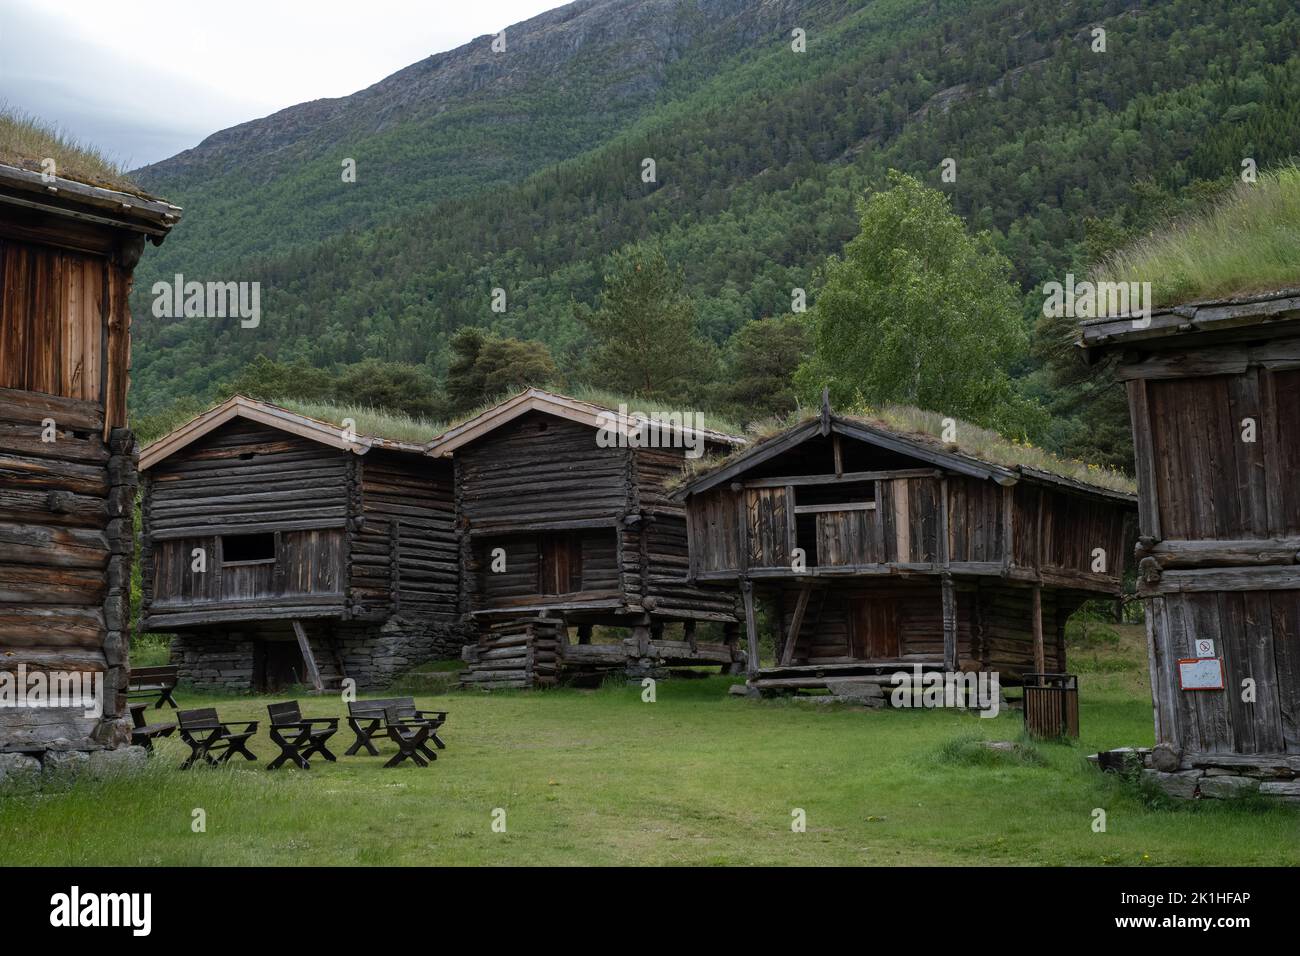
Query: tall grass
x=25 y=141
x=1247 y=242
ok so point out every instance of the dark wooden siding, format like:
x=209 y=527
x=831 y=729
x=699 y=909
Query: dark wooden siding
x=66 y=529
x=994 y=623
x=541 y=474
x=518 y=583
x=409 y=509
x=656 y=550
x=1210 y=483
x=54 y=547
x=540 y=469
x=246 y=478
x=1257 y=635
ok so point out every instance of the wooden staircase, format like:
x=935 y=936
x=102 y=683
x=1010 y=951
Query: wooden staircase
x=322 y=679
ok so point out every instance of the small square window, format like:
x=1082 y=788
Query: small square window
x=242 y=548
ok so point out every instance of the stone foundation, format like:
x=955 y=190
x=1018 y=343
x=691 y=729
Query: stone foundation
x=213 y=662
x=24 y=773
x=373 y=656
x=1160 y=768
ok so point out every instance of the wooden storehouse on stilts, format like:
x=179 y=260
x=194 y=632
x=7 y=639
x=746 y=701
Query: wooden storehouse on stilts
x=1214 y=397
x=67 y=459
x=882 y=549
x=565 y=522
x=281 y=549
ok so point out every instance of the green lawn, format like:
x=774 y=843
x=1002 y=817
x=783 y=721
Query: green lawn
x=598 y=777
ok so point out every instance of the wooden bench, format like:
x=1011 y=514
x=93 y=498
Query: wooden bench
x=151 y=682
x=410 y=737
x=206 y=734
x=369 y=717
x=303 y=739
x=143 y=733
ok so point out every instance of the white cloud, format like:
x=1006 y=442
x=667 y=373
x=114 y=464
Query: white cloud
x=146 y=79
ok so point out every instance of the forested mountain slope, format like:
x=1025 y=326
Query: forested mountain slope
x=527 y=177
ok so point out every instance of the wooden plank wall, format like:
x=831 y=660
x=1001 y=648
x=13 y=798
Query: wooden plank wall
x=518 y=583
x=1257 y=635
x=66 y=522
x=1204 y=482
x=52 y=321
x=1210 y=484
x=244 y=478
x=994 y=629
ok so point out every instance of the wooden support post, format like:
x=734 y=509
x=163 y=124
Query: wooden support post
x=584 y=633
x=688 y=631
x=800 y=606
x=641 y=634
x=950 y=661
x=751 y=628
x=308 y=658
x=1040 y=662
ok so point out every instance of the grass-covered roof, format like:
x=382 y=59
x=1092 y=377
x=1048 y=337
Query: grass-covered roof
x=25 y=142
x=1248 y=242
x=927 y=428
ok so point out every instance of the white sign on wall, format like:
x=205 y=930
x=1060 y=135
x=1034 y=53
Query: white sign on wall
x=1204 y=647
x=1200 y=673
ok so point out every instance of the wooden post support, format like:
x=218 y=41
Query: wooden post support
x=641 y=633
x=800 y=606
x=308 y=658
x=751 y=628
x=688 y=631
x=949 y=624
x=1040 y=659
x=584 y=633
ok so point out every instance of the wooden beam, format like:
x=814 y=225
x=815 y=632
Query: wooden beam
x=950 y=660
x=795 y=623
x=840 y=506
x=751 y=629
x=1144 y=459
x=848 y=477
x=308 y=658
x=1036 y=613
x=902 y=521
x=838 y=455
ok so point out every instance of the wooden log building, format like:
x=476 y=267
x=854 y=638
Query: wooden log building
x=1214 y=397
x=67 y=458
x=560 y=528
x=911 y=552
x=281 y=549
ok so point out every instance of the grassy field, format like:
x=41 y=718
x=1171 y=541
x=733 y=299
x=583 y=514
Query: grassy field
x=698 y=777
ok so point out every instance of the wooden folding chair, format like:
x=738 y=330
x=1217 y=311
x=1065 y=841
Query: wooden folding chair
x=410 y=739
x=207 y=734
x=286 y=718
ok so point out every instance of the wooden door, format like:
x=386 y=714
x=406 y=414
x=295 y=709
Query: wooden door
x=873 y=629
x=559 y=563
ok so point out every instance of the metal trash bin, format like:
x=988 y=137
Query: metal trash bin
x=1052 y=705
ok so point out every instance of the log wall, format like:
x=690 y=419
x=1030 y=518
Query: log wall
x=405 y=557
x=67 y=468
x=540 y=476
x=245 y=478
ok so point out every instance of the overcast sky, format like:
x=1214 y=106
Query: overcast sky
x=145 y=79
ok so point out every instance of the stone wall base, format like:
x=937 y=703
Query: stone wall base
x=372 y=655
x=25 y=772
x=1160 y=768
